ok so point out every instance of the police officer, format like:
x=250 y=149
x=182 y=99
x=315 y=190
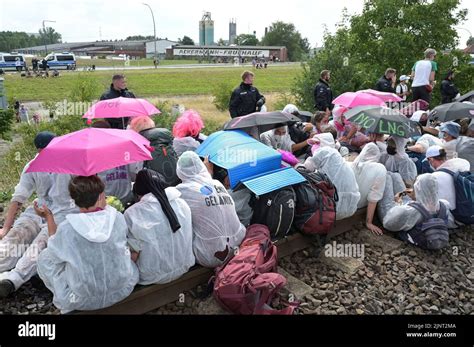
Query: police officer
x=323 y=93
x=118 y=88
x=387 y=82
x=448 y=89
x=246 y=99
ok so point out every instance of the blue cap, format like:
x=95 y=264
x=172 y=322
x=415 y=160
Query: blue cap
x=451 y=128
x=43 y=139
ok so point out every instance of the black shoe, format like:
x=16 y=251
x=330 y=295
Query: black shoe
x=6 y=288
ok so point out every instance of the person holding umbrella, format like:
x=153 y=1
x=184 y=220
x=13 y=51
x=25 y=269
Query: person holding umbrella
x=118 y=88
x=246 y=99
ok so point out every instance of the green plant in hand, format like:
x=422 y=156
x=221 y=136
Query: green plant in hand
x=115 y=203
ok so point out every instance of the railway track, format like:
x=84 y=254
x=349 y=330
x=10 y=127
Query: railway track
x=148 y=298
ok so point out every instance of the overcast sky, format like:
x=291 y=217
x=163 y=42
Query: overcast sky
x=90 y=20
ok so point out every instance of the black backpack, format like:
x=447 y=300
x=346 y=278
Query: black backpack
x=164 y=156
x=315 y=203
x=432 y=232
x=276 y=210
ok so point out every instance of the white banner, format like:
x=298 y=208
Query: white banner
x=221 y=52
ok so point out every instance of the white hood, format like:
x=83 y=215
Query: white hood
x=456 y=165
x=96 y=226
x=171 y=193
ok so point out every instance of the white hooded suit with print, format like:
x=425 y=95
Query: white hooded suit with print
x=216 y=226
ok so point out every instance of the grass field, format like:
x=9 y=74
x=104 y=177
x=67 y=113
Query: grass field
x=152 y=83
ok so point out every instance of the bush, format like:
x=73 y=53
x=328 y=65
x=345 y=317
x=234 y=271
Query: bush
x=85 y=87
x=284 y=99
x=221 y=96
x=6 y=123
x=24 y=151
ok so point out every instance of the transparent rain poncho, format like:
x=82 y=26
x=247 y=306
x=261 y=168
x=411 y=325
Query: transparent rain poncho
x=87 y=263
x=401 y=162
x=216 y=226
x=330 y=162
x=370 y=175
x=405 y=218
x=164 y=255
x=188 y=143
x=282 y=142
x=27 y=226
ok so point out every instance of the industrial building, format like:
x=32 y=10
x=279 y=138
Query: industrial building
x=206 y=30
x=232 y=31
x=133 y=49
x=226 y=53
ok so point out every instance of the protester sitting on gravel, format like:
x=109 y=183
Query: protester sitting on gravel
x=216 y=226
x=424 y=142
x=397 y=160
x=279 y=138
x=164 y=156
x=370 y=176
x=449 y=132
x=187 y=132
x=403 y=218
x=437 y=158
x=348 y=134
x=160 y=230
x=330 y=162
x=16 y=236
x=60 y=206
x=87 y=264
x=379 y=140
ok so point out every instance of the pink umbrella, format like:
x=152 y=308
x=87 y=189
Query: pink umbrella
x=386 y=97
x=121 y=108
x=90 y=151
x=350 y=99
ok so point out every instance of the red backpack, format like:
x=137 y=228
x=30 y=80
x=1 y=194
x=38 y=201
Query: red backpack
x=316 y=199
x=248 y=282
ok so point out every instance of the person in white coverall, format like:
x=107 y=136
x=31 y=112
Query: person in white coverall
x=160 y=230
x=370 y=176
x=329 y=161
x=216 y=226
x=17 y=236
x=87 y=263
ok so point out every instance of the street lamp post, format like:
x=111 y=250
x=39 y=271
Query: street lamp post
x=44 y=33
x=154 y=31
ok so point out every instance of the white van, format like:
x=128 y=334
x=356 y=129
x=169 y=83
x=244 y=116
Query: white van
x=61 y=60
x=10 y=61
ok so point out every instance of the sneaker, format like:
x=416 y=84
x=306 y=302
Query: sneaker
x=6 y=288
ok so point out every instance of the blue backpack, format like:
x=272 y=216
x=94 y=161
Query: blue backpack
x=432 y=232
x=464 y=187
